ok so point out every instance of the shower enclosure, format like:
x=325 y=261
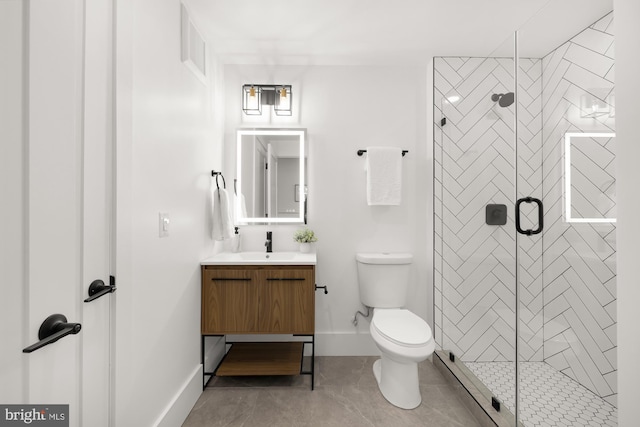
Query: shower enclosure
x=524 y=201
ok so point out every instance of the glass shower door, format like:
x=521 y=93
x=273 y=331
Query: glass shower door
x=567 y=273
x=475 y=239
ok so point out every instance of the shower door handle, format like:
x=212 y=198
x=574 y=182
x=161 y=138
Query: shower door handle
x=540 y=215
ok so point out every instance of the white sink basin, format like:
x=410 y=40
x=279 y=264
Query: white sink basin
x=261 y=258
x=272 y=256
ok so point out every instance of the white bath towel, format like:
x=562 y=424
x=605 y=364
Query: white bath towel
x=221 y=222
x=384 y=175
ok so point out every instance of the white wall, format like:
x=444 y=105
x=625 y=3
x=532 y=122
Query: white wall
x=345 y=109
x=12 y=192
x=167 y=146
x=627 y=14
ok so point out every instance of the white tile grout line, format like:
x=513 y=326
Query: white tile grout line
x=549 y=398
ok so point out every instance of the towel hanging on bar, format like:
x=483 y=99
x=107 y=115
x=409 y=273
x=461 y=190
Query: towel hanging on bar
x=221 y=221
x=384 y=175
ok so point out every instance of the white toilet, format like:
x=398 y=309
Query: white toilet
x=404 y=339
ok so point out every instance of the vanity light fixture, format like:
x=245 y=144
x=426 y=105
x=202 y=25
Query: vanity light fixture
x=251 y=100
x=254 y=96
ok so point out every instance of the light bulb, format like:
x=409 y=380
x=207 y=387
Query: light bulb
x=284 y=101
x=252 y=101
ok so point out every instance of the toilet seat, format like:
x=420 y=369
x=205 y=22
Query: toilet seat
x=402 y=327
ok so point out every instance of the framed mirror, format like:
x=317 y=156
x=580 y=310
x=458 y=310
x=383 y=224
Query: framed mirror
x=271 y=176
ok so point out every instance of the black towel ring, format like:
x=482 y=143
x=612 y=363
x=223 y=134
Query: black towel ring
x=216 y=174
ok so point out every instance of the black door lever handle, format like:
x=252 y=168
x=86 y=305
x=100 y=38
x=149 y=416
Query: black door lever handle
x=52 y=329
x=97 y=288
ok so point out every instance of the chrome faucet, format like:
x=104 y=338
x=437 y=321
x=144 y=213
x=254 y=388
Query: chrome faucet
x=268 y=242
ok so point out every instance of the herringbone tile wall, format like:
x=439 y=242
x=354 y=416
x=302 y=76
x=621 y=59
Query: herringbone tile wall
x=579 y=258
x=567 y=313
x=475 y=297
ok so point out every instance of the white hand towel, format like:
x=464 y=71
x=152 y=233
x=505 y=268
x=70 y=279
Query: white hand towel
x=384 y=175
x=221 y=222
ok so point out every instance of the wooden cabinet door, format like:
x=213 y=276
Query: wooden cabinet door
x=229 y=301
x=286 y=301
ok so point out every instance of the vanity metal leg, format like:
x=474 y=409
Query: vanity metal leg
x=313 y=359
x=202 y=359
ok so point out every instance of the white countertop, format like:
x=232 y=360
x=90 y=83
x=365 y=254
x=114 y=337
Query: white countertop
x=261 y=258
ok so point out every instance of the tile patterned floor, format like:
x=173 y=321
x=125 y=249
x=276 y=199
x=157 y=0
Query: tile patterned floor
x=346 y=394
x=549 y=398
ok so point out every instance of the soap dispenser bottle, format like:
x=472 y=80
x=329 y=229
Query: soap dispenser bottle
x=235 y=241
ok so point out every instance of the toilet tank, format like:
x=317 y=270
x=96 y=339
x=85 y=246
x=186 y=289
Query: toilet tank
x=383 y=278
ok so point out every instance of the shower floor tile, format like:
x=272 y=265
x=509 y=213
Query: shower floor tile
x=549 y=398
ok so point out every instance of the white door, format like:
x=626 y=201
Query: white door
x=57 y=197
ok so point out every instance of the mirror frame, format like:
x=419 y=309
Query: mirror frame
x=301 y=133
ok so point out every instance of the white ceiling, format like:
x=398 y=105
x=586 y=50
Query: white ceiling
x=385 y=31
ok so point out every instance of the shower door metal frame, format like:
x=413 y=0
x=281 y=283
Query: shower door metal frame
x=516 y=91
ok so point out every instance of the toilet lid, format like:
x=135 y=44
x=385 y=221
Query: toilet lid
x=402 y=327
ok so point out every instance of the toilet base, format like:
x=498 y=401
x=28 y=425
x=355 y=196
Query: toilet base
x=398 y=382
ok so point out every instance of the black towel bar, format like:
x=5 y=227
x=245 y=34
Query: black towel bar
x=361 y=152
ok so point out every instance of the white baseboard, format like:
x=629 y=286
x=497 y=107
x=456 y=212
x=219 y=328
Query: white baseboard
x=178 y=409
x=345 y=344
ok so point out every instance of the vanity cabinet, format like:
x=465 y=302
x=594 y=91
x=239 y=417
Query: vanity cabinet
x=257 y=300
x=229 y=301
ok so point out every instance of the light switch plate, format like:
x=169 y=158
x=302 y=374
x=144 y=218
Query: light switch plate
x=163 y=224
